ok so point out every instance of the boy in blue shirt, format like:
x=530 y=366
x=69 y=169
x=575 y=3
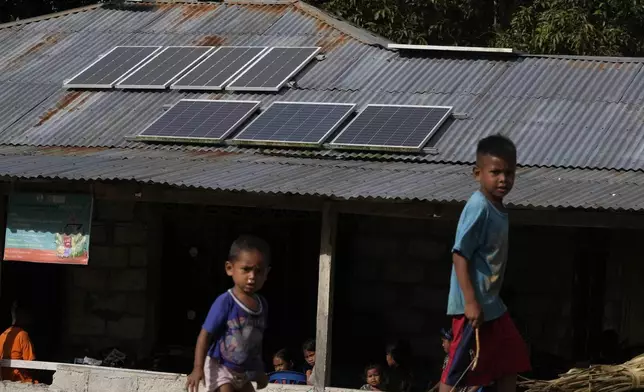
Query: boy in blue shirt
x=479 y=261
x=228 y=355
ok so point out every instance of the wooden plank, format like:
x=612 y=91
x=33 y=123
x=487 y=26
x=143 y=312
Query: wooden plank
x=323 y=331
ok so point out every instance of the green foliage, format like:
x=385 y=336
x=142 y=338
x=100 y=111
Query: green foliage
x=583 y=27
x=447 y=22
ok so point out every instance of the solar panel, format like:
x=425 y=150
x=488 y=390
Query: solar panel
x=398 y=127
x=221 y=66
x=296 y=123
x=111 y=67
x=198 y=120
x=273 y=69
x=164 y=67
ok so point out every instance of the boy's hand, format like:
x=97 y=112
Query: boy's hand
x=262 y=380
x=194 y=379
x=474 y=313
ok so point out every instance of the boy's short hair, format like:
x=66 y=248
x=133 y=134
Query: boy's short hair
x=247 y=243
x=309 y=345
x=497 y=146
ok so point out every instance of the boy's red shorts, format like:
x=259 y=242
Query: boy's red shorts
x=502 y=352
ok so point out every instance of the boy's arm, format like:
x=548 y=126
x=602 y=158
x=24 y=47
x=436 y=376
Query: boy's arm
x=201 y=349
x=471 y=226
x=473 y=310
x=262 y=377
x=214 y=324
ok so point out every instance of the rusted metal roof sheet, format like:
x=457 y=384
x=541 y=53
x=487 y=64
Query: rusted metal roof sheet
x=561 y=111
x=347 y=180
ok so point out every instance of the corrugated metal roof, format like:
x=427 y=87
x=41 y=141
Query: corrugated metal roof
x=577 y=114
x=561 y=111
x=436 y=182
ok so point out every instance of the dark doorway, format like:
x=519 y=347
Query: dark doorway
x=589 y=289
x=196 y=244
x=39 y=288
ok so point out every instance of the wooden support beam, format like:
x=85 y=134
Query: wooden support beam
x=323 y=331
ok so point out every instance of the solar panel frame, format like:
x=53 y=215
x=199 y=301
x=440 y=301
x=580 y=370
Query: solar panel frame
x=350 y=110
x=122 y=84
x=202 y=140
x=276 y=88
x=67 y=83
x=417 y=148
x=178 y=86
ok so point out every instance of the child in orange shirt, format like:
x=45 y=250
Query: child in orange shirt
x=16 y=344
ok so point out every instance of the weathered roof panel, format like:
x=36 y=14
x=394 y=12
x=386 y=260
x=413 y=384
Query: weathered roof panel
x=536 y=187
x=561 y=111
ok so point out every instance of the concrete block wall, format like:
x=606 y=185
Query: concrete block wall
x=110 y=302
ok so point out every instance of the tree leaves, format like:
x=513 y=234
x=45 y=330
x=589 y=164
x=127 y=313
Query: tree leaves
x=582 y=27
x=445 y=22
x=606 y=27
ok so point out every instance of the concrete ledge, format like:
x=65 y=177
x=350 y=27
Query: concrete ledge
x=81 y=378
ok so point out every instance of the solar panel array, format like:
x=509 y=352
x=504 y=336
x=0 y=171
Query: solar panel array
x=223 y=64
x=292 y=123
x=164 y=67
x=273 y=69
x=304 y=124
x=205 y=121
x=111 y=67
x=392 y=127
x=247 y=68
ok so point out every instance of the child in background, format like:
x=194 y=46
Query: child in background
x=479 y=259
x=446 y=342
x=308 y=350
x=228 y=354
x=282 y=361
x=374 y=378
x=399 y=375
x=16 y=344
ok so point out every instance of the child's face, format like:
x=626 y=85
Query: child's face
x=373 y=377
x=249 y=271
x=309 y=357
x=280 y=364
x=446 y=344
x=496 y=176
x=390 y=360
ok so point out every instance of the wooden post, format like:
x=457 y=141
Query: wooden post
x=325 y=299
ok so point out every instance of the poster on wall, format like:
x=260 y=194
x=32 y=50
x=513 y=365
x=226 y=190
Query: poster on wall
x=48 y=228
